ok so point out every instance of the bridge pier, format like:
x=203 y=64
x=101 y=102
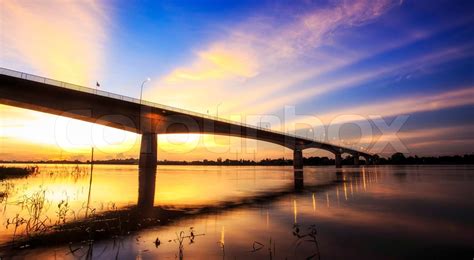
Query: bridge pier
x=147 y=172
x=298 y=159
x=146 y=188
x=338 y=159
x=356 y=160
x=367 y=160
x=299 y=180
x=148 y=151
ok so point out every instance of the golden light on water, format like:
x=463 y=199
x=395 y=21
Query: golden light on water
x=327 y=199
x=363 y=178
x=295 y=211
x=267 y=219
x=345 y=190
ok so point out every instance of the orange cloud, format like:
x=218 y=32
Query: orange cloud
x=217 y=63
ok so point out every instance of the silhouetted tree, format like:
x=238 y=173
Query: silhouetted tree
x=398 y=158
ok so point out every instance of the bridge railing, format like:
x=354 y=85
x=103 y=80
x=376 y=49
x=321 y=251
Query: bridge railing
x=27 y=76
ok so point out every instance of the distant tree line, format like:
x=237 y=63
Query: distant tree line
x=399 y=158
x=396 y=158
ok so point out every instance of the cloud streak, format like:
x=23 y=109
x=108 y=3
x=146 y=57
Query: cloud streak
x=411 y=105
x=262 y=56
x=61 y=39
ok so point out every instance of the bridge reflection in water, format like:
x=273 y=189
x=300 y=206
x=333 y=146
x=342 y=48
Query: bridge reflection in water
x=147 y=186
x=299 y=180
x=152 y=207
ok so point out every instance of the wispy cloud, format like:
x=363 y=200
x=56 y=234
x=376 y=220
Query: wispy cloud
x=314 y=28
x=410 y=105
x=59 y=39
x=266 y=52
x=63 y=40
x=219 y=62
x=356 y=79
x=426 y=141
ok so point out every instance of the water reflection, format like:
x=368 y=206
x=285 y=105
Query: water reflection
x=264 y=213
x=146 y=188
x=61 y=194
x=299 y=180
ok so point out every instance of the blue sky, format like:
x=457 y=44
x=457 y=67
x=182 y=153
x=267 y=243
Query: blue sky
x=327 y=59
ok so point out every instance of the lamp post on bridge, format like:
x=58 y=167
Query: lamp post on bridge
x=141 y=97
x=141 y=89
x=148 y=149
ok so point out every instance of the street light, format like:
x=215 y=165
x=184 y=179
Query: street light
x=141 y=96
x=141 y=89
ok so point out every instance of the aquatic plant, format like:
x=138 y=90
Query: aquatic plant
x=36 y=205
x=36 y=223
x=89 y=249
x=180 y=237
x=75 y=173
x=7 y=187
x=62 y=212
x=310 y=237
x=257 y=246
x=222 y=246
x=17 y=221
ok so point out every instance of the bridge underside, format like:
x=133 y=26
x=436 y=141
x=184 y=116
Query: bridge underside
x=148 y=153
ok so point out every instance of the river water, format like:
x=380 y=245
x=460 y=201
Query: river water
x=254 y=212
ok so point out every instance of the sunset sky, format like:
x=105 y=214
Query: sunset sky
x=335 y=62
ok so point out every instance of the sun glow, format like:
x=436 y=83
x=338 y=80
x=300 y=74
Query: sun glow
x=70 y=135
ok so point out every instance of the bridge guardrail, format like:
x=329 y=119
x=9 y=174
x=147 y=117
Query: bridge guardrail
x=62 y=84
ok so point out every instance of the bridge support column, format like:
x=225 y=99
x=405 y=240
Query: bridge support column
x=148 y=151
x=146 y=188
x=338 y=159
x=298 y=159
x=356 y=160
x=367 y=160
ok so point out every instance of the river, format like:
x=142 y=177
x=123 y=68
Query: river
x=246 y=212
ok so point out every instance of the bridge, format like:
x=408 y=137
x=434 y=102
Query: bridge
x=149 y=119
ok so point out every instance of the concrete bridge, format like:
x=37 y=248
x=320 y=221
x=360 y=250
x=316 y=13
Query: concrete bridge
x=146 y=118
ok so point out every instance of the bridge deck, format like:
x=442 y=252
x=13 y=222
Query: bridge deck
x=57 y=97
